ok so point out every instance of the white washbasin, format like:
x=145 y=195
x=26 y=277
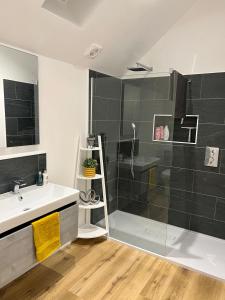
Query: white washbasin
x=36 y=201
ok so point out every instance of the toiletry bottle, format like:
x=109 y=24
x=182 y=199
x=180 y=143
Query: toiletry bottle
x=45 y=177
x=39 y=180
x=157 y=133
x=161 y=133
x=166 y=133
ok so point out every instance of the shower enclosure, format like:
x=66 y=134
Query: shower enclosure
x=139 y=118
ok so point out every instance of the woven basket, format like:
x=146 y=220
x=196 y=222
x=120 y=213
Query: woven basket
x=89 y=172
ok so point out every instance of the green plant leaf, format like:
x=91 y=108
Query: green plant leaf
x=90 y=163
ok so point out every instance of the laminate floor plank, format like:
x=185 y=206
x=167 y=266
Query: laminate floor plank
x=108 y=270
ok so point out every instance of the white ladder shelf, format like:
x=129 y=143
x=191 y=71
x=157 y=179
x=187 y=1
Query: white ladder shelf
x=88 y=230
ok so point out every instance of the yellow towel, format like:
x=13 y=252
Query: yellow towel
x=46 y=235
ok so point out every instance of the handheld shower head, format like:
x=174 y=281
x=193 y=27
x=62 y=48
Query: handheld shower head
x=133 y=125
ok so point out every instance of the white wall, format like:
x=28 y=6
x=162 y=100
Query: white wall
x=195 y=44
x=63 y=92
x=63 y=102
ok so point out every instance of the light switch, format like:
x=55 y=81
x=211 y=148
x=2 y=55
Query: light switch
x=211 y=156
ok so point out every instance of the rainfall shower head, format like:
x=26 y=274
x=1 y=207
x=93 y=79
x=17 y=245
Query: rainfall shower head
x=140 y=67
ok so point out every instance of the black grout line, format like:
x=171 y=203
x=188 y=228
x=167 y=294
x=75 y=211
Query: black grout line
x=170 y=209
x=171 y=188
x=214 y=215
x=105 y=98
x=203 y=99
x=201 y=80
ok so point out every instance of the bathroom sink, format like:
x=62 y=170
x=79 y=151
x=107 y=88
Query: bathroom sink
x=36 y=202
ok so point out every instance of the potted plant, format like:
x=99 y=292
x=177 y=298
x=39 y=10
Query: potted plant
x=90 y=165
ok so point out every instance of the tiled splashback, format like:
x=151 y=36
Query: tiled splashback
x=26 y=167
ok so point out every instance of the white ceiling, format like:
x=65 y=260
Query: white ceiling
x=126 y=29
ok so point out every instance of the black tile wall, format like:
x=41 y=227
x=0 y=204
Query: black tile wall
x=186 y=193
x=194 y=86
x=213 y=85
x=21 y=112
x=26 y=167
x=106 y=122
x=171 y=183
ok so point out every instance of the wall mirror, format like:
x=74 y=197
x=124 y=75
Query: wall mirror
x=19 y=116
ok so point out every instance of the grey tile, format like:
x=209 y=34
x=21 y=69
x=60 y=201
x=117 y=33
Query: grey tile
x=22 y=140
x=133 y=207
x=109 y=128
x=9 y=89
x=17 y=108
x=209 y=110
x=11 y=126
x=207 y=226
x=211 y=135
x=179 y=219
x=222 y=161
x=111 y=149
x=26 y=126
x=161 y=87
x=139 y=174
x=183 y=201
x=18 y=167
x=161 y=151
x=4 y=188
x=26 y=167
x=112 y=189
x=42 y=162
x=131 y=111
x=220 y=210
x=178 y=178
x=159 y=214
x=190 y=158
x=213 y=85
x=106 y=109
x=108 y=87
x=209 y=183
x=149 y=108
x=112 y=170
x=192 y=203
x=134 y=190
x=24 y=91
x=143 y=131
x=194 y=86
x=131 y=90
x=155 y=88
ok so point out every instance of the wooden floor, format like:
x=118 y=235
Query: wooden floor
x=110 y=270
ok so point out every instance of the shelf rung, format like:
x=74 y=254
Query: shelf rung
x=89 y=231
x=97 y=176
x=90 y=149
x=92 y=206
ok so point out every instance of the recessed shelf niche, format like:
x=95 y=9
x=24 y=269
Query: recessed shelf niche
x=181 y=130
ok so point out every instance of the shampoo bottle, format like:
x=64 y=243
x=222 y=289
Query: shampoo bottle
x=166 y=133
x=45 y=177
x=39 y=180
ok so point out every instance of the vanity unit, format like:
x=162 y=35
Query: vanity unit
x=17 y=253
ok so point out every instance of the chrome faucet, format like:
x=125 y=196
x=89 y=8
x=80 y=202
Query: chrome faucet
x=16 y=185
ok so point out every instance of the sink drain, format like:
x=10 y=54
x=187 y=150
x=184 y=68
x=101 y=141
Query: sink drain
x=25 y=209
